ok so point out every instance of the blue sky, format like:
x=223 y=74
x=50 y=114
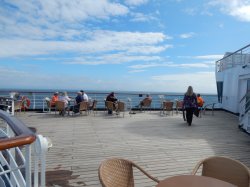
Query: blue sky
x=130 y=45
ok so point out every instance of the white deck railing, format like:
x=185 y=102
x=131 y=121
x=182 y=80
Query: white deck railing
x=240 y=57
x=22 y=154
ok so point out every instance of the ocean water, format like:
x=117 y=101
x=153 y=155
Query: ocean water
x=132 y=98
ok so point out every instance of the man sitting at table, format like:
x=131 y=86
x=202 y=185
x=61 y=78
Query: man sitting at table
x=78 y=99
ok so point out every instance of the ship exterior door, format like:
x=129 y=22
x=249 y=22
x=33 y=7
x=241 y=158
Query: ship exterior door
x=220 y=90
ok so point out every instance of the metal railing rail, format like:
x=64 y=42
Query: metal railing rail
x=16 y=144
x=239 y=57
x=244 y=106
x=207 y=106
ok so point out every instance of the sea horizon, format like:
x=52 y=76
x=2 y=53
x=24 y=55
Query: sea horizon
x=98 y=91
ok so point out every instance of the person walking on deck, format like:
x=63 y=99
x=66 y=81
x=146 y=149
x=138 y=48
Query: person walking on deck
x=190 y=104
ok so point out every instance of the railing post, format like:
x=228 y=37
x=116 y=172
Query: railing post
x=28 y=166
x=41 y=148
x=34 y=100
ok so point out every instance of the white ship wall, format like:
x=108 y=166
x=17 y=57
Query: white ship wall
x=234 y=87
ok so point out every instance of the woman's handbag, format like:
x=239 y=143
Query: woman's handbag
x=196 y=112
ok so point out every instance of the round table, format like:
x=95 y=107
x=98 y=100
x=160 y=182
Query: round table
x=193 y=181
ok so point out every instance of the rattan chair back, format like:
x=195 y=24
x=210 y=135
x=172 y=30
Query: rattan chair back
x=83 y=107
x=147 y=103
x=121 y=107
x=18 y=105
x=109 y=105
x=225 y=169
x=60 y=106
x=179 y=106
x=168 y=105
x=93 y=106
x=119 y=173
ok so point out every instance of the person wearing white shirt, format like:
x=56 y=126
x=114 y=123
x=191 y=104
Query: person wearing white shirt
x=85 y=96
x=65 y=98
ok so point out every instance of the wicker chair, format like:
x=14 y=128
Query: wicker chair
x=119 y=172
x=146 y=105
x=121 y=107
x=48 y=103
x=110 y=106
x=18 y=106
x=178 y=106
x=225 y=169
x=168 y=107
x=60 y=106
x=92 y=107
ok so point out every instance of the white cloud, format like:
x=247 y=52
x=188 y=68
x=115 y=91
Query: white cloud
x=45 y=19
x=201 y=81
x=170 y=64
x=135 y=2
x=70 y=11
x=99 y=41
x=136 y=71
x=140 y=17
x=187 y=35
x=204 y=57
x=191 y=11
x=236 y=8
x=112 y=59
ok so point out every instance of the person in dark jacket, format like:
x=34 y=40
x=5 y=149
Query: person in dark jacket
x=78 y=99
x=190 y=104
x=111 y=97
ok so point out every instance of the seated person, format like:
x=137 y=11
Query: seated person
x=65 y=98
x=17 y=96
x=78 y=99
x=200 y=101
x=146 y=99
x=111 y=97
x=85 y=96
x=54 y=99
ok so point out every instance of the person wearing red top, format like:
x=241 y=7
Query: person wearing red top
x=200 y=101
x=54 y=99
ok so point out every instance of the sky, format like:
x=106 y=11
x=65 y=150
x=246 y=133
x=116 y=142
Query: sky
x=129 y=45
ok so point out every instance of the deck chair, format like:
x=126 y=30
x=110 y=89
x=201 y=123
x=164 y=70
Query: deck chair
x=18 y=106
x=168 y=107
x=93 y=107
x=121 y=107
x=60 y=107
x=84 y=105
x=178 y=106
x=146 y=105
x=119 y=172
x=225 y=169
x=48 y=104
x=109 y=106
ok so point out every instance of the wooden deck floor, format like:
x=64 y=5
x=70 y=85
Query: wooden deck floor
x=162 y=145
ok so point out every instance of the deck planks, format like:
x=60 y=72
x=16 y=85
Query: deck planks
x=162 y=145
